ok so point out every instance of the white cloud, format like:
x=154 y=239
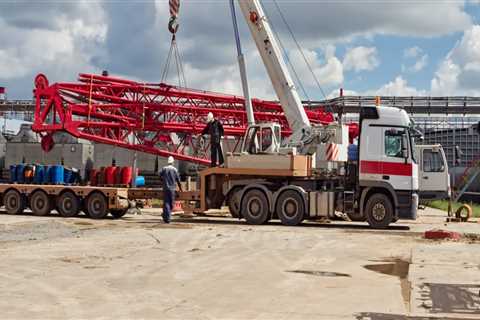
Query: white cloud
x=330 y=72
x=412 y=52
x=459 y=73
x=361 y=58
x=420 y=62
x=59 y=46
x=398 y=87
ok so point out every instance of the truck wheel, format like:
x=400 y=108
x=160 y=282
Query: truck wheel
x=40 y=203
x=356 y=216
x=118 y=213
x=68 y=204
x=255 y=207
x=290 y=208
x=379 y=211
x=96 y=206
x=14 y=202
x=233 y=201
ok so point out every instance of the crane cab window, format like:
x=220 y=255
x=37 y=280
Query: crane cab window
x=432 y=161
x=394 y=143
x=261 y=139
x=267 y=139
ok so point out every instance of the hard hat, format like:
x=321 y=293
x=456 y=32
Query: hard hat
x=210 y=117
x=170 y=160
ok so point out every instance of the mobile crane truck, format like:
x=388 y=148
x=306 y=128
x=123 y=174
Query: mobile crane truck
x=307 y=176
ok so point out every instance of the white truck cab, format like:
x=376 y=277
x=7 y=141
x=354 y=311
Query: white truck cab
x=387 y=163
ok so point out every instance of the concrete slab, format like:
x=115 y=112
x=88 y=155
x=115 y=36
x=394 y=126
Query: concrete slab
x=207 y=267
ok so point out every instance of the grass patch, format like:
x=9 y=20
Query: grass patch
x=443 y=205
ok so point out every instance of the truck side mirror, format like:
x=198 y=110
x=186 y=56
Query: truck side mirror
x=405 y=153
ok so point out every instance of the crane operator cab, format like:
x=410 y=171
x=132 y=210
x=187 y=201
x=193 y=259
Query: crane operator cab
x=262 y=138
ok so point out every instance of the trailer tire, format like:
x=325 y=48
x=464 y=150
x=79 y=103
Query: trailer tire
x=255 y=207
x=379 y=211
x=68 y=204
x=96 y=205
x=40 y=203
x=118 y=213
x=233 y=201
x=290 y=208
x=15 y=202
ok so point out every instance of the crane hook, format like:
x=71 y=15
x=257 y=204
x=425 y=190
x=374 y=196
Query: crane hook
x=173 y=25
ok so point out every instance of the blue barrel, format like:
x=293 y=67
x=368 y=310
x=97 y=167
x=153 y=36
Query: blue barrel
x=39 y=176
x=56 y=174
x=13 y=173
x=20 y=170
x=75 y=178
x=67 y=175
x=353 y=152
x=140 y=181
x=46 y=174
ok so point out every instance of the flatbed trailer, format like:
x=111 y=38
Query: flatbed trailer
x=69 y=200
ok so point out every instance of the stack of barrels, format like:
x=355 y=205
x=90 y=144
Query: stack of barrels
x=115 y=177
x=42 y=174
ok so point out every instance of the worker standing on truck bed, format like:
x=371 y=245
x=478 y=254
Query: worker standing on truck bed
x=215 y=129
x=170 y=180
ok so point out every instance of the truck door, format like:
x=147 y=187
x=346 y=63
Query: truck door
x=397 y=166
x=434 y=177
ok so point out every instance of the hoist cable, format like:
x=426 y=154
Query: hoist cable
x=297 y=78
x=299 y=47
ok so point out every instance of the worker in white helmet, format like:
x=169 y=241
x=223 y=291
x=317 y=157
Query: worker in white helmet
x=215 y=129
x=170 y=179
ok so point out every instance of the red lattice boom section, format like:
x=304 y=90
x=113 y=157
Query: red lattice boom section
x=154 y=118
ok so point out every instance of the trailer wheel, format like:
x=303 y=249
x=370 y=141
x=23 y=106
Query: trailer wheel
x=68 y=204
x=290 y=208
x=233 y=201
x=14 y=202
x=96 y=206
x=379 y=211
x=118 y=213
x=40 y=203
x=255 y=207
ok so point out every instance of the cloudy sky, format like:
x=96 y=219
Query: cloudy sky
x=367 y=47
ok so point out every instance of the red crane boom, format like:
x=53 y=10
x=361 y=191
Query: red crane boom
x=143 y=116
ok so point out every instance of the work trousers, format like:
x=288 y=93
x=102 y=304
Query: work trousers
x=168 y=200
x=216 y=149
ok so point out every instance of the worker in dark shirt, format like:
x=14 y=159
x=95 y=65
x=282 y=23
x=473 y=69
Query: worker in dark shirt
x=170 y=180
x=215 y=129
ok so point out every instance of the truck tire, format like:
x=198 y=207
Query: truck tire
x=233 y=201
x=14 y=202
x=290 y=208
x=118 y=213
x=68 y=204
x=40 y=203
x=379 y=211
x=255 y=207
x=96 y=205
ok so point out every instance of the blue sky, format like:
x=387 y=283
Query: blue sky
x=367 y=47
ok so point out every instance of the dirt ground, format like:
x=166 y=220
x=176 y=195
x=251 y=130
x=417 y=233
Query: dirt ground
x=216 y=267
